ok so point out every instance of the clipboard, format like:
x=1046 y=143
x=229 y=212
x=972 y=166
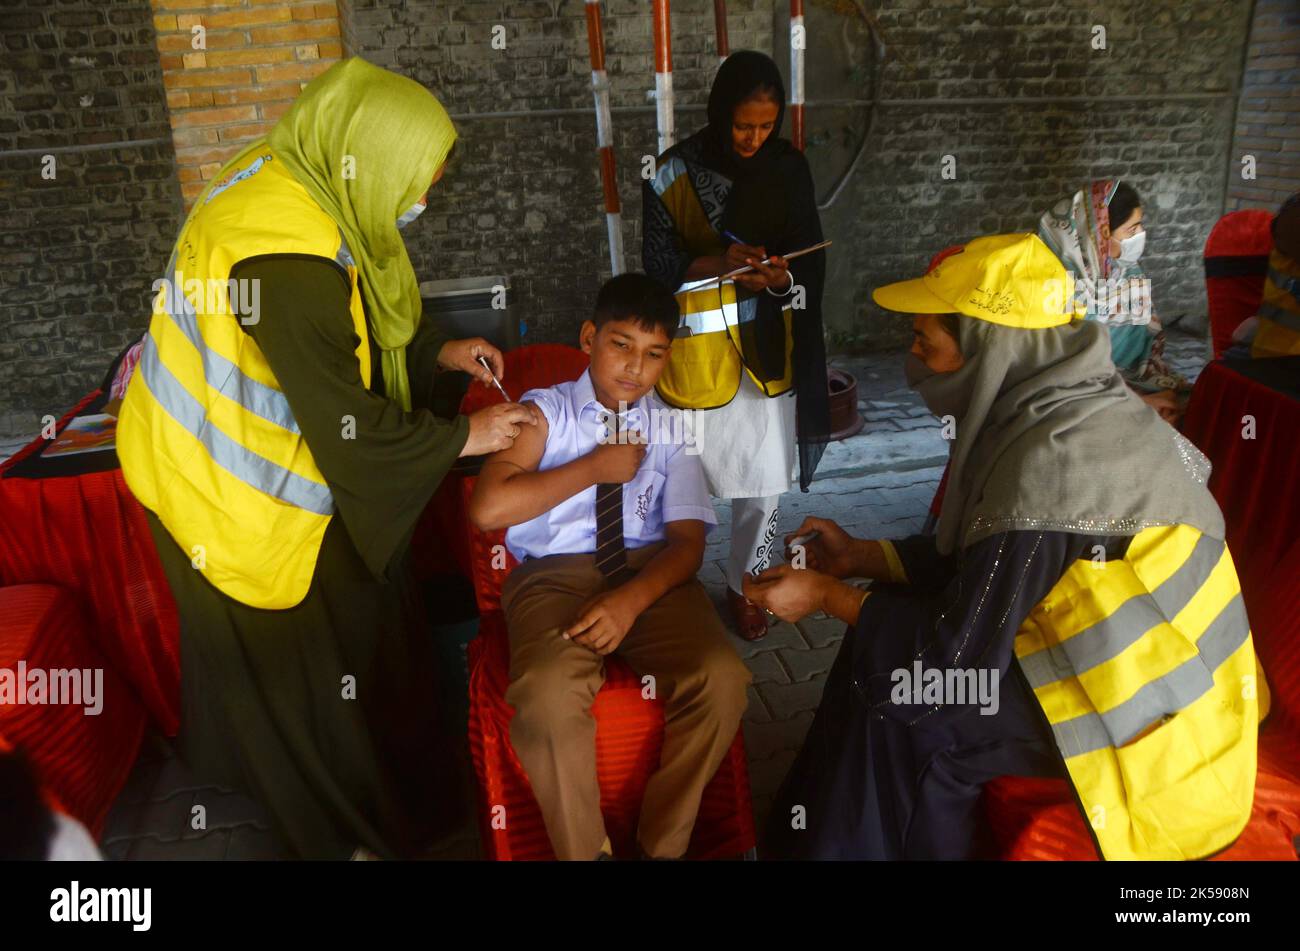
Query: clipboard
x=747 y=268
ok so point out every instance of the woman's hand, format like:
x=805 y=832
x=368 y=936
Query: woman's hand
x=774 y=276
x=463 y=355
x=833 y=552
x=739 y=255
x=495 y=427
x=1165 y=403
x=788 y=592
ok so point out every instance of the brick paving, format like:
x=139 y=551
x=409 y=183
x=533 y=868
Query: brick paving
x=877 y=484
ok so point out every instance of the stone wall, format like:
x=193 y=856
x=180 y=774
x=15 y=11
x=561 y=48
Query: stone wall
x=1030 y=109
x=1265 y=165
x=1020 y=101
x=89 y=197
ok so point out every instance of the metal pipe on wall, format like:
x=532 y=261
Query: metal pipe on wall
x=720 y=28
x=664 y=75
x=605 y=136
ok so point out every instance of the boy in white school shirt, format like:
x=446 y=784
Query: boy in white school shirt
x=610 y=534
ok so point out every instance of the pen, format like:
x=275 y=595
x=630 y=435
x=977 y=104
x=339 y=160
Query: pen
x=496 y=382
x=744 y=270
x=803 y=539
x=735 y=238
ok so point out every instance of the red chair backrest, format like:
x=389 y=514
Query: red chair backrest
x=1236 y=262
x=527 y=368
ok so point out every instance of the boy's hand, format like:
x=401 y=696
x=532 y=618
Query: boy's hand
x=603 y=621
x=617 y=462
x=788 y=592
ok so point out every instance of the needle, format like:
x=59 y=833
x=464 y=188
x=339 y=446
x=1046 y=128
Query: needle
x=488 y=367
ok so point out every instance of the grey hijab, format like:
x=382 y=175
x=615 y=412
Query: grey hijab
x=1049 y=438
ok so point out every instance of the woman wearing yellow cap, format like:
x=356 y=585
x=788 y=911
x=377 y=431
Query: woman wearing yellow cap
x=277 y=431
x=1077 y=613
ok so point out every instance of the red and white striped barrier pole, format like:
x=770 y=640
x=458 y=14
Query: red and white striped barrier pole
x=605 y=136
x=663 y=75
x=798 y=41
x=720 y=27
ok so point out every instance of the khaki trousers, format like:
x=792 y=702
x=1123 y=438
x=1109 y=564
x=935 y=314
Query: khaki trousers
x=679 y=640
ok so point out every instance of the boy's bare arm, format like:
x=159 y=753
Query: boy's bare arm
x=498 y=501
x=510 y=490
x=678 y=562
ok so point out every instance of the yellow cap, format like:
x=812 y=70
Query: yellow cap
x=1009 y=279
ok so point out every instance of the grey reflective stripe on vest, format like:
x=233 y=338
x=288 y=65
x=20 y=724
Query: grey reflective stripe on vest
x=1276 y=314
x=719 y=318
x=241 y=462
x=1125 y=626
x=221 y=374
x=1175 y=691
x=1178 y=589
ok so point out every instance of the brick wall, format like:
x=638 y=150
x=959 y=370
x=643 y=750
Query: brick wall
x=232 y=68
x=80 y=82
x=1268 y=117
x=1014 y=92
x=522 y=195
x=1030 y=111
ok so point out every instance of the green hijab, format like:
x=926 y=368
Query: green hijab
x=365 y=144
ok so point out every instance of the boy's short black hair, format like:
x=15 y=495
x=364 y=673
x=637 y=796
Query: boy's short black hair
x=637 y=297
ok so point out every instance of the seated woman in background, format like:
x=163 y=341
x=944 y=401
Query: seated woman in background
x=1275 y=330
x=1077 y=614
x=1099 y=236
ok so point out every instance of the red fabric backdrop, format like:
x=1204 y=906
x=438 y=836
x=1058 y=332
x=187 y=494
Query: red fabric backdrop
x=87 y=533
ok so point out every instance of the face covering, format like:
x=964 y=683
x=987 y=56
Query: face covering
x=1130 y=249
x=410 y=214
x=941 y=397
x=915 y=370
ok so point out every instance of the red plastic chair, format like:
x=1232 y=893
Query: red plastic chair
x=629 y=730
x=1236 y=263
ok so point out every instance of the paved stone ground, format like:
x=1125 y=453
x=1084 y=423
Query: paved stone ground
x=877 y=484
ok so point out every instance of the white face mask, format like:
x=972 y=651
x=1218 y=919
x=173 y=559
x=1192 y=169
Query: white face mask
x=410 y=214
x=1130 y=249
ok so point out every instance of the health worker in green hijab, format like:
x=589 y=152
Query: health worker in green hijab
x=282 y=440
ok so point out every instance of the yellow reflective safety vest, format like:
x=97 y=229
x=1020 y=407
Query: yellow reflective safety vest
x=1278 y=333
x=705 y=361
x=206 y=437
x=1146 y=671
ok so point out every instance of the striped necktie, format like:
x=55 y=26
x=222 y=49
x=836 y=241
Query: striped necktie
x=611 y=555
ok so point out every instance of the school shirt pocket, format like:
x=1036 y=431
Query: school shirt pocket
x=643 y=508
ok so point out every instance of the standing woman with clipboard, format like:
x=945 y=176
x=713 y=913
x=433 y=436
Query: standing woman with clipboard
x=749 y=357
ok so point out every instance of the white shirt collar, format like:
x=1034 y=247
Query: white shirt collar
x=584 y=399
